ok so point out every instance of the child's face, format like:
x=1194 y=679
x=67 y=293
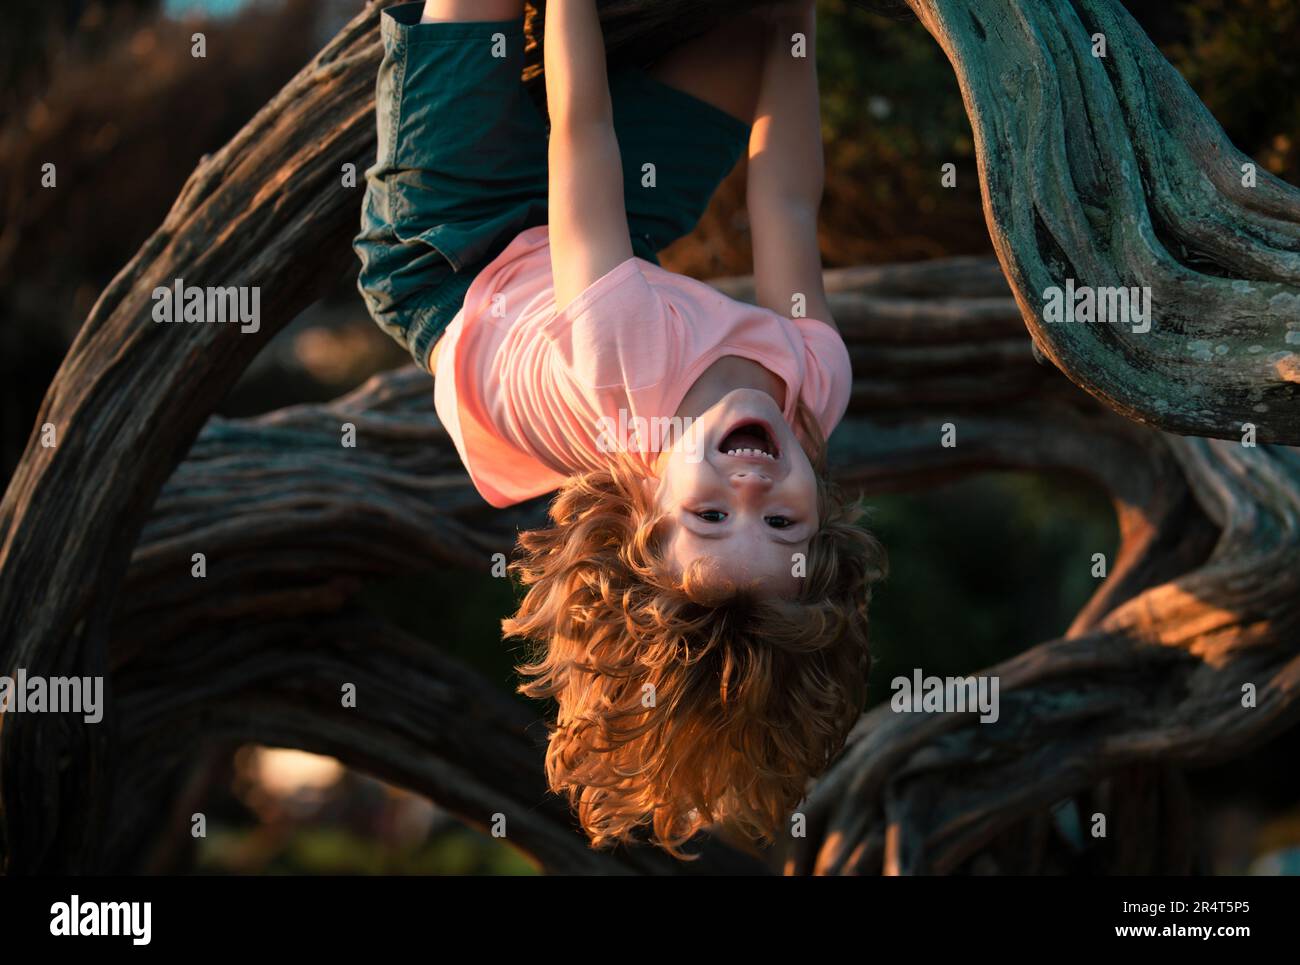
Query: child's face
x=751 y=511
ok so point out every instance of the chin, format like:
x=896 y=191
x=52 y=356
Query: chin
x=741 y=405
x=748 y=397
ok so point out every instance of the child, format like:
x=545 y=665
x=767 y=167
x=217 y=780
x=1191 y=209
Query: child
x=697 y=604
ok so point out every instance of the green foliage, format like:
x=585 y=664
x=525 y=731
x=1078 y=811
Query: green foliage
x=889 y=84
x=892 y=116
x=980 y=571
x=458 y=611
x=1240 y=58
x=324 y=850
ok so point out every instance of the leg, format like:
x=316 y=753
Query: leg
x=722 y=67
x=460 y=164
x=436 y=11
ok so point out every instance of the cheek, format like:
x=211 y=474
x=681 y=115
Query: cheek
x=808 y=494
x=680 y=477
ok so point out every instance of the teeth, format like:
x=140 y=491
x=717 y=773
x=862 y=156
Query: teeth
x=750 y=452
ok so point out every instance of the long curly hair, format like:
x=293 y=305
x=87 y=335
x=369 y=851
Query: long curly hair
x=684 y=703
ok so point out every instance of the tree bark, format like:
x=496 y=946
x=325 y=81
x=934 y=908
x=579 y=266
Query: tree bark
x=1195 y=668
x=1110 y=172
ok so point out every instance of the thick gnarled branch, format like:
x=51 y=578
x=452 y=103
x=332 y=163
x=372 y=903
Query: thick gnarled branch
x=1107 y=172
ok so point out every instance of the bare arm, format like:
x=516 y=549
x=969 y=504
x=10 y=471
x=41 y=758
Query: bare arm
x=588 y=220
x=437 y=11
x=787 y=171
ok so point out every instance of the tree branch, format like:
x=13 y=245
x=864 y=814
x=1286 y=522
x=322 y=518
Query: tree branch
x=1110 y=172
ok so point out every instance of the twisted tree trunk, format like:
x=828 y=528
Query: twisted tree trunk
x=1201 y=665
x=1200 y=601
x=1102 y=169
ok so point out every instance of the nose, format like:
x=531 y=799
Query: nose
x=750 y=483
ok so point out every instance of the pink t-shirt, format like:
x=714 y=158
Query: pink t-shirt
x=526 y=392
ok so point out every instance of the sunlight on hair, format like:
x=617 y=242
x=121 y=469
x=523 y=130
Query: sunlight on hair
x=687 y=703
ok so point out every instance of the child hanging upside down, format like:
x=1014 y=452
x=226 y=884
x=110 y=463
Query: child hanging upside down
x=697 y=605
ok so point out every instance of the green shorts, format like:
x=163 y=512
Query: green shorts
x=461 y=166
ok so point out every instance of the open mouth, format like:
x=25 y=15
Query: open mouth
x=749 y=439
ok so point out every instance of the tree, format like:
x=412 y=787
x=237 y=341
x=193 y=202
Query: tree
x=97 y=531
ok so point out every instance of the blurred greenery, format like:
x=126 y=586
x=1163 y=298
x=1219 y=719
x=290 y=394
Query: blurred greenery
x=461 y=612
x=1243 y=58
x=892 y=115
x=317 y=850
x=981 y=570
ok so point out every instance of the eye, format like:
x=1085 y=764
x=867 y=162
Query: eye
x=778 y=522
x=711 y=515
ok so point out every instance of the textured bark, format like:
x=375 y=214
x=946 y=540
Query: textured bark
x=1111 y=172
x=421 y=721
x=128 y=401
x=1159 y=679
x=1199 y=601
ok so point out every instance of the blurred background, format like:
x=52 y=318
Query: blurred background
x=109 y=92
